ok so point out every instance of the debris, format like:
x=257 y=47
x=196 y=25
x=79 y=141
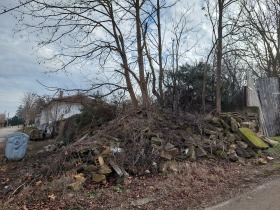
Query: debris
x=269 y=158
x=79 y=177
x=242 y=144
x=269 y=141
x=142 y=201
x=262 y=161
x=242 y=152
x=89 y=168
x=52 y=197
x=165 y=155
x=100 y=160
x=77 y=185
x=200 y=152
x=104 y=169
x=116 y=149
x=98 y=177
x=120 y=171
x=169 y=146
x=250 y=137
x=233 y=124
x=233 y=157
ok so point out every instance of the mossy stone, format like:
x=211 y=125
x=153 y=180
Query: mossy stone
x=250 y=137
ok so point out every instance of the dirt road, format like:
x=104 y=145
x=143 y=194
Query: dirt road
x=263 y=197
x=4 y=132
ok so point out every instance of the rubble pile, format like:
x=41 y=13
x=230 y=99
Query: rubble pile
x=153 y=142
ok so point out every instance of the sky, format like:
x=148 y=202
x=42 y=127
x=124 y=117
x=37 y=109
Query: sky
x=20 y=70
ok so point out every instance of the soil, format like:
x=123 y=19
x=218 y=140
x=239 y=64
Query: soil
x=32 y=184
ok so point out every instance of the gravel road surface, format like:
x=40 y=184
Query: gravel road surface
x=4 y=132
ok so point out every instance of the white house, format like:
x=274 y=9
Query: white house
x=59 y=109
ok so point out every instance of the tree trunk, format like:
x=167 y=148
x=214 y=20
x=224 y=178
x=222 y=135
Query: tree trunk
x=121 y=50
x=142 y=79
x=160 y=81
x=219 y=59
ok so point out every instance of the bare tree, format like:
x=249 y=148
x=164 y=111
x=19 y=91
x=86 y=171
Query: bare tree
x=216 y=12
x=103 y=31
x=261 y=36
x=31 y=105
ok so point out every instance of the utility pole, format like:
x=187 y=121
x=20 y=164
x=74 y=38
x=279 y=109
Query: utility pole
x=8 y=120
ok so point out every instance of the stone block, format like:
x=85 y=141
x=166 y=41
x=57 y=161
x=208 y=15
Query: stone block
x=251 y=138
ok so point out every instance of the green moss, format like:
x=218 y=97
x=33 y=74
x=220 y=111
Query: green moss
x=276 y=138
x=249 y=136
x=275 y=150
x=220 y=153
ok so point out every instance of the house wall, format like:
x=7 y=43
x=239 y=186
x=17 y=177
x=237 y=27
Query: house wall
x=64 y=110
x=58 y=111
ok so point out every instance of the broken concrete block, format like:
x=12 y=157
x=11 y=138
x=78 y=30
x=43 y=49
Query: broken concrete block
x=269 y=141
x=232 y=147
x=251 y=138
x=104 y=169
x=106 y=151
x=233 y=124
x=237 y=137
x=100 y=160
x=241 y=160
x=120 y=171
x=242 y=144
x=200 y=152
x=233 y=157
x=173 y=152
x=90 y=168
x=169 y=146
x=189 y=150
x=216 y=121
x=262 y=161
x=225 y=125
x=79 y=176
x=245 y=124
x=77 y=185
x=242 y=152
x=165 y=155
x=251 y=152
x=98 y=177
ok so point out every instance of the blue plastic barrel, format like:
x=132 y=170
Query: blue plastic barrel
x=16 y=145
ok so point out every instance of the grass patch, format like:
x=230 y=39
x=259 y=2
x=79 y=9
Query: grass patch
x=275 y=168
x=275 y=150
x=276 y=138
x=93 y=195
